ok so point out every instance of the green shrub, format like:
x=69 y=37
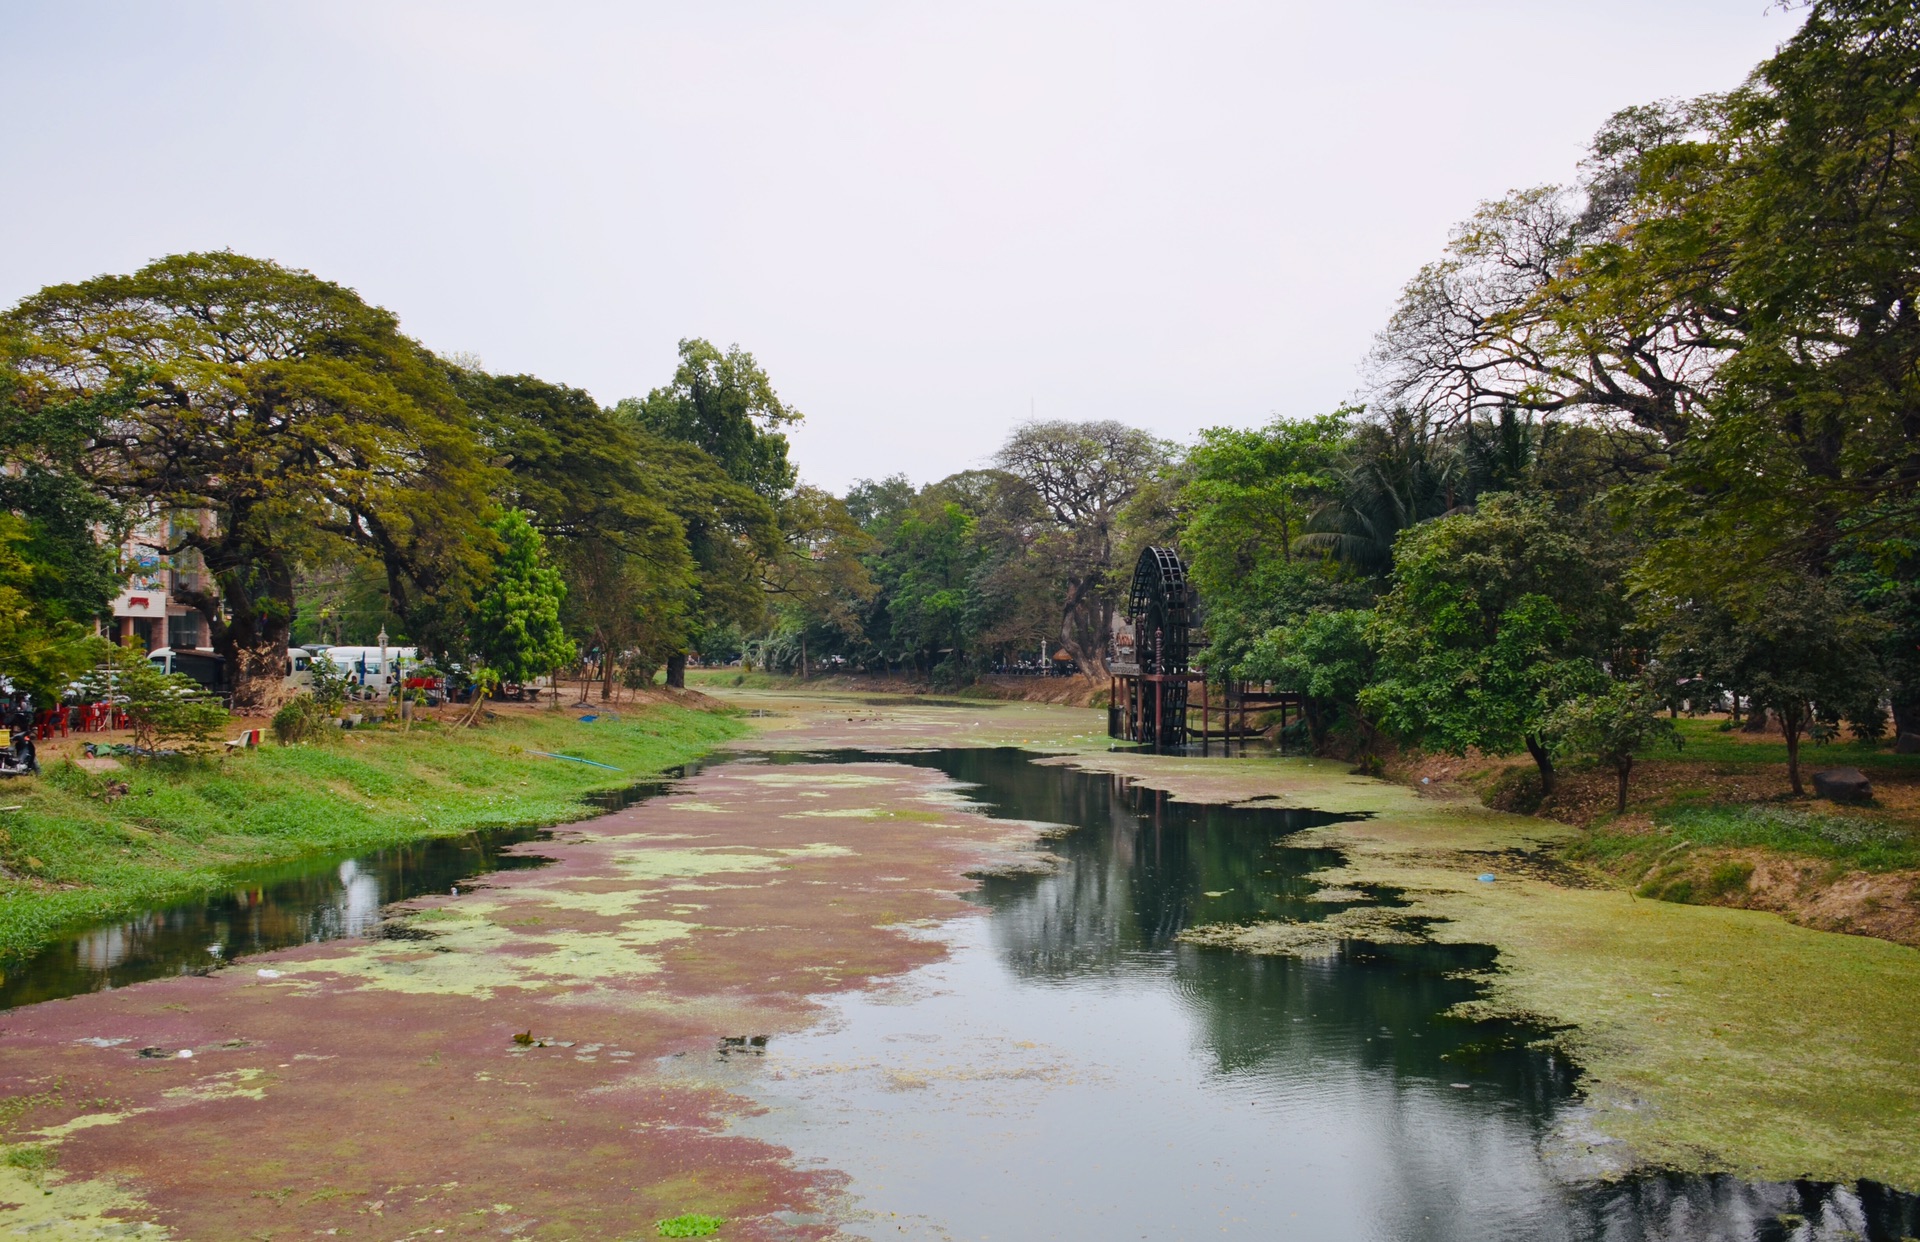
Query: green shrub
x=303 y=718
x=691 y=1225
x=1670 y=885
x=165 y=710
x=1729 y=878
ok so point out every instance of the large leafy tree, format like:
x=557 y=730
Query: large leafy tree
x=1327 y=657
x=516 y=628
x=41 y=649
x=279 y=407
x=728 y=485
x=1247 y=501
x=1736 y=275
x=723 y=402
x=1497 y=616
x=603 y=494
x=68 y=535
x=819 y=582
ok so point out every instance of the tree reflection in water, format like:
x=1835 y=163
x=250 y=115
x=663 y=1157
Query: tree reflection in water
x=299 y=903
x=1211 y=1087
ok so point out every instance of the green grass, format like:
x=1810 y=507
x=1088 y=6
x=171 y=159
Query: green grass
x=184 y=826
x=1848 y=841
x=30 y=1158
x=725 y=677
x=1869 y=844
x=1705 y=742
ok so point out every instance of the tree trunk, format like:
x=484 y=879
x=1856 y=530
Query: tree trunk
x=1756 y=719
x=803 y=657
x=253 y=634
x=1622 y=769
x=1791 y=722
x=1906 y=710
x=257 y=668
x=677 y=671
x=1316 y=724
x=1544 y=762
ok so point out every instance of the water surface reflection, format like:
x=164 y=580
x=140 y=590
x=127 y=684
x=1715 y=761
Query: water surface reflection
x=298 y=903
x=1071 y=1071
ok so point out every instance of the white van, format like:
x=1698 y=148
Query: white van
x=369 y=668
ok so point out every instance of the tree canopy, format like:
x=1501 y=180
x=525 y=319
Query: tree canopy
x=278 y=404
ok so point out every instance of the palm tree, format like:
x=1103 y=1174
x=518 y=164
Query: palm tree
x=1399 y=471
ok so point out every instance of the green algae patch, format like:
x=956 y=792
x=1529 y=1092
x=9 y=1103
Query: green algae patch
x=240 y=1084
x=1716 y=1038
x=647 y=864
x=816 y=780
x=1315 y=938
x=869 y=812
x=479 y=957
x=36 y=1198
x=1710 y=1039
x=587 y=901
x=86 y=1121
x=689 y=1225
x=45 y=1203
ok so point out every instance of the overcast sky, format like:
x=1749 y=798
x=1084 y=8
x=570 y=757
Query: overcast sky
x=927 y=221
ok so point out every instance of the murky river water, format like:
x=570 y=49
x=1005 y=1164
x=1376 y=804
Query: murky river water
x=1070 y=1071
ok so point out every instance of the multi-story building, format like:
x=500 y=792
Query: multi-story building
x=148 y=609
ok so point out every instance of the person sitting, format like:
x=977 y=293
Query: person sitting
x=21 y=756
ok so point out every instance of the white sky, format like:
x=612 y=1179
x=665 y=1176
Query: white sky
x=925 y=220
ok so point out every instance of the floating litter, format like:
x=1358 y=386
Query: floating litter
x=264 y=973
x=184 y=1053
x=1486 y=877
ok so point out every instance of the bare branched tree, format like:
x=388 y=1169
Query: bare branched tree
x=1083 y=474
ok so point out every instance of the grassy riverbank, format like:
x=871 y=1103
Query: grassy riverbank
x=80 y=849
x=1716 y=823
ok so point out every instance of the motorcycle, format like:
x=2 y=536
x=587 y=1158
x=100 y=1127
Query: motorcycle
x=19 y=758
